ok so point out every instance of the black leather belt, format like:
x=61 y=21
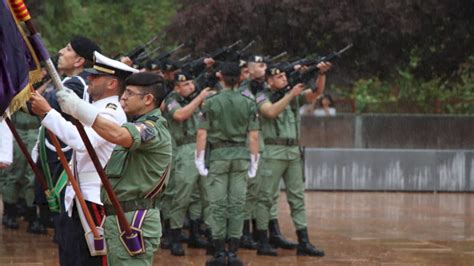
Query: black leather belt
x=227 y=144
x=185 y=141
x=131 y=205
x=283 y=142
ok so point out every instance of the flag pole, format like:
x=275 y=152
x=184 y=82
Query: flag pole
x=22 y=14
x=39 y=175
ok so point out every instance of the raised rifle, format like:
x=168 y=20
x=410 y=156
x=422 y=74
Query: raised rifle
x=147 y=54
x=166 y=55
x=305 y=75
x=272 y=59
x=197 y=66
x=137 y=51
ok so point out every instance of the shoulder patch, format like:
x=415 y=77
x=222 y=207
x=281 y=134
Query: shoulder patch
x=112 y=106
x=146 y=130
x=261 y=97
x=172 y=105
x=247 y=93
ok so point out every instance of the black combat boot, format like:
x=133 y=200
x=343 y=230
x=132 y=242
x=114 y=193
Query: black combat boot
x=35 y=226
x=11 y=222
x=195 y=240
x=21 y=207
x=210 y=242
x=219 y=254
x=276 y=238
x=264 y=248
x=305 y=248
x=254 y=231
x=6 y=212
x=165 y=240
x=176 y=247
x=246 y=241
x=232 y=259
x=46 y=216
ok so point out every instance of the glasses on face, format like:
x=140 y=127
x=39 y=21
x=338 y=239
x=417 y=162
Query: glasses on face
x=128 y=93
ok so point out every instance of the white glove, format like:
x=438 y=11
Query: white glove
x=200 y=164
x=254 y=159
x=73 y=105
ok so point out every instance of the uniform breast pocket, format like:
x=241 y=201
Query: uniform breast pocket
x=118 y=162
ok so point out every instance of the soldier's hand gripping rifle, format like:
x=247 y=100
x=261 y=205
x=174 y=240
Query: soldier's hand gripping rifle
x=316 y=60
x=304 y=75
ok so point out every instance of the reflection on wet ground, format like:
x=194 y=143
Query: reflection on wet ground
x=354 y=228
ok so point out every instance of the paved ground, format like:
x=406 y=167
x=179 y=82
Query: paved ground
x=354 y=228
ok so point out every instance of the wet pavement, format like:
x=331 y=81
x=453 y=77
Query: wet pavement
x=354 y=228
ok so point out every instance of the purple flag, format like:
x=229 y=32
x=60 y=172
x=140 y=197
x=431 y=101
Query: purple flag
x=15 y=58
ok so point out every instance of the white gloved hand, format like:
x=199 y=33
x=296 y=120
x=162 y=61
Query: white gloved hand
x=200 y=164
x=73 y=105
x=254 y=159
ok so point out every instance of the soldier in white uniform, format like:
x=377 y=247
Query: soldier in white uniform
x=6 y=154
x=6 y=145
x=105 y=84
x=76 y=56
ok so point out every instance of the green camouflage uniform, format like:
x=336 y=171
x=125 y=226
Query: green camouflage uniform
x=253 y=183
x=281 y=159
x=228 y=116
x=137 y=174
x=186 y=178
x=19 y=178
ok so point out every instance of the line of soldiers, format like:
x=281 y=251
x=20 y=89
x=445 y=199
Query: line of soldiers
x=220 y=135
x=239 y=119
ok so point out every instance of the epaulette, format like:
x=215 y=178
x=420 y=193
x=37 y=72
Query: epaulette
x=171 y=95
x=153 y=118
x=112 y=106
x=247 y=93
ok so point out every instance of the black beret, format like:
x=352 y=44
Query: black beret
x=230 y=69
x=275 y=69
x=256 y=59
x=84 y=47
x=169 y=65
x=182 y=76
x=143 y=79
x=152 y=64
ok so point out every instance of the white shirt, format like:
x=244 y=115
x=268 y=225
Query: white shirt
x=89 y=180
x=321 y=112
x=6 y=144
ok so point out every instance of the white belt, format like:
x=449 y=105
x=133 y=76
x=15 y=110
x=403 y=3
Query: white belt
x=88 y=177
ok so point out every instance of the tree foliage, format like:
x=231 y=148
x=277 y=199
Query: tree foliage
x=432 y=36
x=117 y=26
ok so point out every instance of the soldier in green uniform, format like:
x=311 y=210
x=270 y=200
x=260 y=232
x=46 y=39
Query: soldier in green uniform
x=19 y=178
x=253 y=81
x=227 y=121
x=139 y=165
x=181 y=110
x=247 y=240
x=280 y=124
